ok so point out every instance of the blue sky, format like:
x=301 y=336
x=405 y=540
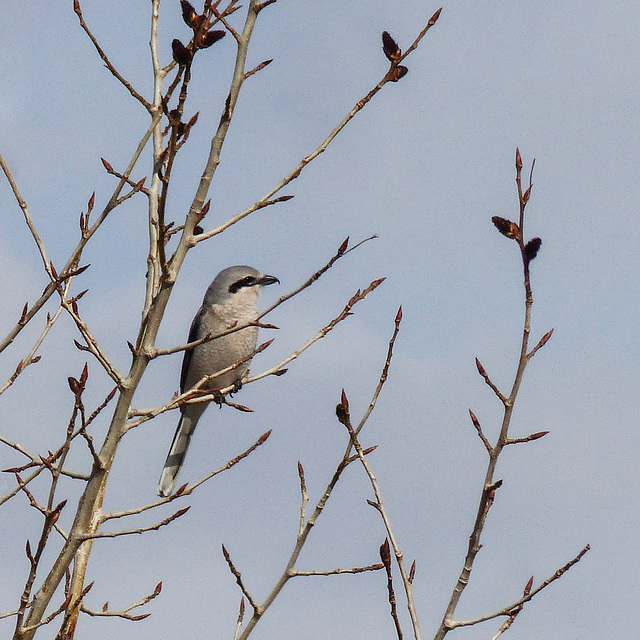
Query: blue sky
x=424 y=167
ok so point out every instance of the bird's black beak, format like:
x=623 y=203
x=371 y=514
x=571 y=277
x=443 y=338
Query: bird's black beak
x=265 y=280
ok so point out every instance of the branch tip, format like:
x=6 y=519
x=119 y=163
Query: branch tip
x=434 y=18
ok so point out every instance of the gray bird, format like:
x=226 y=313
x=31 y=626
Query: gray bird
x=230 y=301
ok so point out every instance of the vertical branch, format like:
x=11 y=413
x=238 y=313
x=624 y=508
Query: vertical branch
x=153 y=259
x=342 y=412
x=513 y=231
x=239 y=75
x=157 y=296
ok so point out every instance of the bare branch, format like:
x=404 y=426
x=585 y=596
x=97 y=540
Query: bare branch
x=305 y=498
x=127 y=532
x=147 y=105
x=87 y=234
x=509 y=610
x=186 y=490
x=383 y=375
x=476 y=424
x=124 y=613
x=31 y=357
x=9 y=614
x=389 y=76
x=515 y=232
x=345 y=313
x=342 y=412
x=91 y=342
x=485 y=375
x=385 y=555
x=333 y=572
x=238 y=577
x=541 y=343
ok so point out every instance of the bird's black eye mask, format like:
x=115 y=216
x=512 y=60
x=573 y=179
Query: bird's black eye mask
x=248 y=281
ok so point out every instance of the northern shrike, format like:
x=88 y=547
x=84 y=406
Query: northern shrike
x=230 y=301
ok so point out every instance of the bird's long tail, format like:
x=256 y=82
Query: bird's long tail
x=176 y=455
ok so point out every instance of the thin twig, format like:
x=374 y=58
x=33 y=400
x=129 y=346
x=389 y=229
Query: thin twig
x=87 y=234
x=128 y=532
x=343 y=250
x=127 y=85
x=124 y=613
x=508 y=610
x=238 y=577
x=515 y=232
x=321 y=148
x=186 y=490
x=342 y=411
x=31 y=358
x=334 y=572
x=385 y=555
x=240 y=619
x=385 y=371
x=478 y=428
x=487 y=379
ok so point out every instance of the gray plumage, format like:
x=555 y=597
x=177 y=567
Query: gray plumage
x=231 y=299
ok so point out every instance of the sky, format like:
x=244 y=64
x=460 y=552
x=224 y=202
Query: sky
x=424 y=167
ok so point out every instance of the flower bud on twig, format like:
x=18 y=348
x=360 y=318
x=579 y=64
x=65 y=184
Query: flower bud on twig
x=181 y=54
x=390 y=48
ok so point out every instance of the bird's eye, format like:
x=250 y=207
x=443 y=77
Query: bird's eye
x=247 y=281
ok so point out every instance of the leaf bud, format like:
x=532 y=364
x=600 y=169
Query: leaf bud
x=181 y=54
x=390 y=47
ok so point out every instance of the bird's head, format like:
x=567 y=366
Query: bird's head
x=239 y=285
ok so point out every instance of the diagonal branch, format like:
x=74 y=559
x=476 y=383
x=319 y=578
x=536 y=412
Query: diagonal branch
x=107 y=62
x=517 y=605
x=342 y=411
x=321 y=148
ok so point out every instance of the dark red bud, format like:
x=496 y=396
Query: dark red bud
x=434 y=17
x=390 y=48
x=189 y=14
x=527 y=589
x=531 y=248
x=399 y=72
x=506 y=227
x=343 y=246
x=181 y=54
x=210 y=37
x=74 y=385
x=385 y=553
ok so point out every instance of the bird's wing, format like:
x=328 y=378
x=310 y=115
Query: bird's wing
x=194 y=334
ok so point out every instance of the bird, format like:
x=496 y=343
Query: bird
x=230 y=300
